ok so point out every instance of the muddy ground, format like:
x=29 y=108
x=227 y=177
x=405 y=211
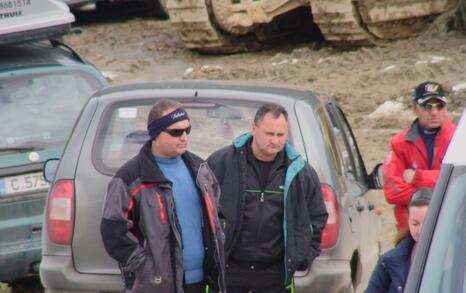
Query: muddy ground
x=372 y=84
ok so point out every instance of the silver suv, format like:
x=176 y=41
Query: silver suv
x=112 y=128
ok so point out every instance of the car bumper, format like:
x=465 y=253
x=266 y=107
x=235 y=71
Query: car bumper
x=57 y=273
x=21 y=259
x=325 y=276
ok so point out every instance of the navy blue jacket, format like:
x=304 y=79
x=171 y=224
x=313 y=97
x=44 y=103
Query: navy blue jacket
x=392 y=269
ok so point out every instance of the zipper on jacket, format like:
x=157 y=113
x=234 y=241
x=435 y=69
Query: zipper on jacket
x=210 y=208
x=261 y=197
x=163 y=215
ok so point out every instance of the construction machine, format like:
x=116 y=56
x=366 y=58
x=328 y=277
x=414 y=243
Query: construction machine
x=223 y=26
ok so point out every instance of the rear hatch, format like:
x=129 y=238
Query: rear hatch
x=27 y=20
x=116 y=136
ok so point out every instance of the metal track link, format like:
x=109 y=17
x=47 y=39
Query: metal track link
x=338 y=22
x=190 y=20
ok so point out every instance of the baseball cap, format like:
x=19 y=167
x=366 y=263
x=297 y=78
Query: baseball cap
x=429 y=90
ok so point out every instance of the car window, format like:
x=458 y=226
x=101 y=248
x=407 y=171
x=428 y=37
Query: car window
x=330 y=145
x=346 y=144
x=122 y=129
x=38 y=110
x=446 y=261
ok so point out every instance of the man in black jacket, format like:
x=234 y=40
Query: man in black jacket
x=271 y=204
x=160 y=220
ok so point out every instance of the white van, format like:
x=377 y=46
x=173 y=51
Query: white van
x=27 y=20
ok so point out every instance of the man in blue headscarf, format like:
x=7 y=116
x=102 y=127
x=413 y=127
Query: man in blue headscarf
x=160 y=217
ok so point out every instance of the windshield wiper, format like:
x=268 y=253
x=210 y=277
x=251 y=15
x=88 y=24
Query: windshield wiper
x=19 y=149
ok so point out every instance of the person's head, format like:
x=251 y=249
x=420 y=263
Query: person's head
x=417 y=209
x=269 y=131
x=429 y=103
x=169 y=126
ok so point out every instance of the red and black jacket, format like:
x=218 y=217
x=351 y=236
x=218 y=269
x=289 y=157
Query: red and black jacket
x=140 y=229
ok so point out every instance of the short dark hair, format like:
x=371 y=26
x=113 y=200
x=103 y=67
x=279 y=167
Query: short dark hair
x=159 y=107
x=420 y=198
x=273 y=108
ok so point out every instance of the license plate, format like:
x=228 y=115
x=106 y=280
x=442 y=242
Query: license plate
x=22 y=183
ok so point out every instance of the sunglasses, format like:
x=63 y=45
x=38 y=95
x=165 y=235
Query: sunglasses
x=177 y=132
x=429 y=106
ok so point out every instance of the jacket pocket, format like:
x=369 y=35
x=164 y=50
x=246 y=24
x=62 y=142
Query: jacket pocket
x=147 y=280
x=303 y=246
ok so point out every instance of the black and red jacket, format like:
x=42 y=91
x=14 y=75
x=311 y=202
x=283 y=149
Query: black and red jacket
x=140 y=228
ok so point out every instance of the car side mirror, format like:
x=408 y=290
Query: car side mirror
x=50 y=168
x=376 y=177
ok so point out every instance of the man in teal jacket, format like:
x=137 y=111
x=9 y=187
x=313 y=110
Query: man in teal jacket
x=271 y=204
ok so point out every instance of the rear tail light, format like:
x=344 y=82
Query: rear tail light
x=330 y=233
x=60 y=215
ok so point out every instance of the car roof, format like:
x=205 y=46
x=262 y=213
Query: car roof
x=455 y=153
x=16 y=56
x=286 y=91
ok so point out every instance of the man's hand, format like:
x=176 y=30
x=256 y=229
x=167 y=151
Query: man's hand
x=408 y=175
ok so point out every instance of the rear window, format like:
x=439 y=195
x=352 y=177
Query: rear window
x=122 y=129
x=446 y=262
x=38 y=111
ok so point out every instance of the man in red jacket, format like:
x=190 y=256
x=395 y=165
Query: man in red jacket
x=416 y=153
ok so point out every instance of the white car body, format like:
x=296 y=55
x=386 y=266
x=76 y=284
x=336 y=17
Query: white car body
x=24 y=20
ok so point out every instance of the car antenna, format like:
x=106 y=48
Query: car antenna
x=58 y=43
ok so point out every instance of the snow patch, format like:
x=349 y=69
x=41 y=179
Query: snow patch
x=388 y=108
x=459 y=86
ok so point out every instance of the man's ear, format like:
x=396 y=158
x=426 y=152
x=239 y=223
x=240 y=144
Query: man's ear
x=412 y=105
x=253 y=128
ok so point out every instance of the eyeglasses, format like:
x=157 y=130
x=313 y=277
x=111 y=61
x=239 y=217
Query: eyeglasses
x=429 y=106
x=177 y=132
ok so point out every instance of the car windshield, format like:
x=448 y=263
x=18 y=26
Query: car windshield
x=37 y=111
x=446 y=262
x=214 y=125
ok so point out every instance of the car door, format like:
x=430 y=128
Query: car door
x=364 y=221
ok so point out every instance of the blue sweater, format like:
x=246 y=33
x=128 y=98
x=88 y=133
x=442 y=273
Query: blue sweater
x=188 y=211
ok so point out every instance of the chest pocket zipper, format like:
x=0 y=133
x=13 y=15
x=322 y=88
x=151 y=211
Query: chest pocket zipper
x=163 y=215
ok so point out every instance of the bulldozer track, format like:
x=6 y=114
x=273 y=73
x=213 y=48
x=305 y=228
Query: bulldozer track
x=191 y=20
x=338 y=21
x=341 y=22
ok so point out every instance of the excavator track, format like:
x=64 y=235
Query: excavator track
x=338 y=22
x=341 y=22
x=396 y=19
x=191 y=20
x=361 y=22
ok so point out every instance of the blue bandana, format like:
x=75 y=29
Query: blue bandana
x=160 y=124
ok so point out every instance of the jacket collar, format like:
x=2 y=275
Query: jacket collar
x=150 y=171
x=413 y=131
